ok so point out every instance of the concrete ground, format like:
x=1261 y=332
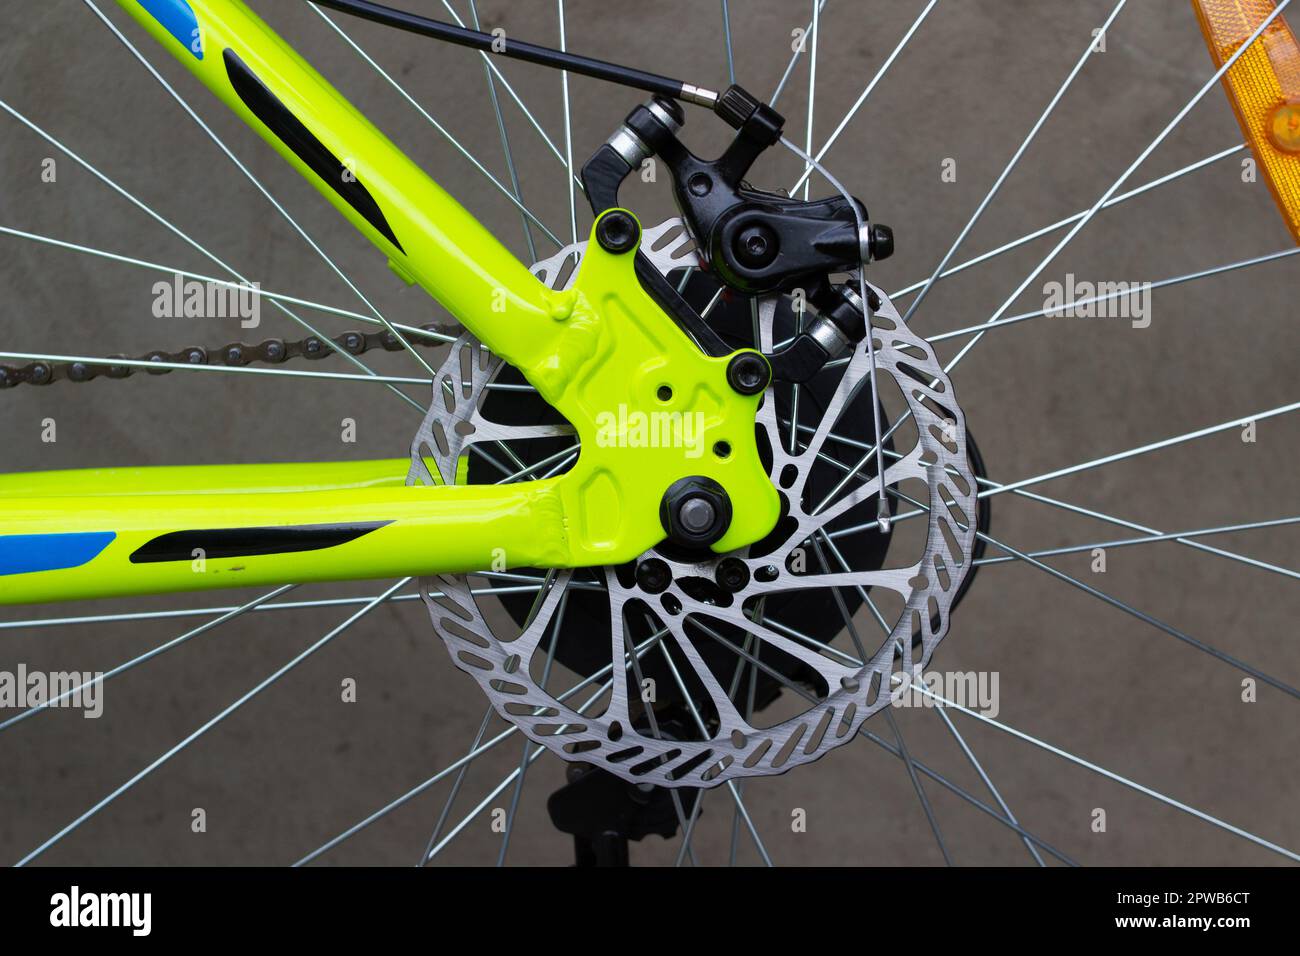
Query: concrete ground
x=296 y=765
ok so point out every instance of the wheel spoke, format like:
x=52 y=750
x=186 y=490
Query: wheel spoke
x=528 y=588
x=1110 y=775
x=1152 y=534
x=1146 y=618
x=556 y=625
x=284 y=213
x=1140 y=450
x=505 y=84
x=568 y=130
x=673 y=793
x=979 y=769
x=794 y=58
x=1061 y=224
x=1147 y=539
x=196 y=245
x=1087 y=217
x=966 y=795
x=1012 y=163
x=812 y=99
x=726 y=40
x=916 y=784
x=412 y=330
x=474 y=750
x=473 y=160
x=1128 y=609
x=730 y=784
x=884 y=68
x=240 y=702
x=1162 y=283
x=496 y=791
x=149 y=655
x=1115 y=186
x=415 y=791
x=891 y=748
x=505 y=143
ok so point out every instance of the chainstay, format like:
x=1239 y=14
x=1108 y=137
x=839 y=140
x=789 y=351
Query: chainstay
x=267 y=352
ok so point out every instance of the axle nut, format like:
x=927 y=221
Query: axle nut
x=695 y=511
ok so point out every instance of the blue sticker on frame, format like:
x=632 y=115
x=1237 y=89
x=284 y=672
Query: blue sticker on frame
x=25 y=553
x=178 y=18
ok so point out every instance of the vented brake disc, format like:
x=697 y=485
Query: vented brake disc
x=717 y=622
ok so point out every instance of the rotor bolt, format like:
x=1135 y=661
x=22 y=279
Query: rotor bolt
x=653 y=575
x=732 y=575
x=748 y=373
x=617 y=232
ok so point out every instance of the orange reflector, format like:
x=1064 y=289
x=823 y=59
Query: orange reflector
x=1264 y=89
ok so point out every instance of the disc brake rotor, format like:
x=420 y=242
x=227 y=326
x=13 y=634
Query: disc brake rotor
x=712 y=627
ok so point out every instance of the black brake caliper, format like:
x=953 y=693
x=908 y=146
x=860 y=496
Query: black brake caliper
x=754 y=242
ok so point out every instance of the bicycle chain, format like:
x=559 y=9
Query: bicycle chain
x=270 y=352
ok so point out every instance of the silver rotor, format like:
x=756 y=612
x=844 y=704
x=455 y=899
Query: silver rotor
x=728 y=744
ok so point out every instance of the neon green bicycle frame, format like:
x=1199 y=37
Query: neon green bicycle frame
x=600 y=346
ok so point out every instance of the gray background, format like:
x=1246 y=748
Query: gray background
x=297 y=766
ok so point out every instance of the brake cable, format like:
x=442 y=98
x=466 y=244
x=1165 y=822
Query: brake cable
x=501 y=45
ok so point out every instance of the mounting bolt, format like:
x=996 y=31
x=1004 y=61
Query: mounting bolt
x=617 y=232
x=695 y=511
x=756 y=246
x=748 y=373
x=732 y=575
x=653 y=575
